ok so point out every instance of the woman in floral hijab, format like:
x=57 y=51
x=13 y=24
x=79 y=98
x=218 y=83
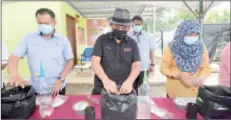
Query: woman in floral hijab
x=185 y=61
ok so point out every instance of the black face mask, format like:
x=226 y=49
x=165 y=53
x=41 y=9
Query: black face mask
x=119 y=34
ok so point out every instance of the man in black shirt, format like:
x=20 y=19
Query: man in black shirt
x=116 y=58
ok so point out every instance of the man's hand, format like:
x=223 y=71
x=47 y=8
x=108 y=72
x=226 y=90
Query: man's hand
x=57 y=87
x=152 y=69
x=126 y=87
x=110 y=86
x=16 y=81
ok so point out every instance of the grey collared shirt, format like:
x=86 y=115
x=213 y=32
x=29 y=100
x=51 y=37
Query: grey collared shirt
x=146 y=44
x=46 y=58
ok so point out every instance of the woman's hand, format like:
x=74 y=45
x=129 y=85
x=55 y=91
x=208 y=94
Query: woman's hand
x=187 y=79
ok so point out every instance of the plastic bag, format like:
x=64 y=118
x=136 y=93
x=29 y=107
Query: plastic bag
x=214 y=102
x=118 y=106
x=160 y=112
x=143 y=107
x=59 y=100
x=18 y=103
x=143 y=89
x=42 y=98
x=45 y=106
x=43 y=86
x=56 y=101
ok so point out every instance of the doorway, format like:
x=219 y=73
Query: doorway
x=71 y=35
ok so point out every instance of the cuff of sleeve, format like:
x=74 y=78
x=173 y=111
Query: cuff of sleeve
x=135 y=61
x=99 y=55
x=69 y=58
x=17 y=54
x=4 y=61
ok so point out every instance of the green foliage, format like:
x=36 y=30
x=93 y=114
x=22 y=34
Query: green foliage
x=167 y=19
x=215 y=17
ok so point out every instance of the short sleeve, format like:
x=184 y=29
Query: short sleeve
x=22 y=48
x=98 y=47
x=68 y=54
x=136 y=53
x=5 y=53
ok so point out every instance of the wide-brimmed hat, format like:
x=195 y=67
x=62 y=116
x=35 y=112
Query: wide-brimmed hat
x=121 y=17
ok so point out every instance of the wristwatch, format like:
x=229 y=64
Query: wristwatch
x=152 y=64
x=61 y=79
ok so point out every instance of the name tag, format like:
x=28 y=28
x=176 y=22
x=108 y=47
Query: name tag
x=127 y=49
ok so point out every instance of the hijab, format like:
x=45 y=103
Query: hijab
x=188 y=57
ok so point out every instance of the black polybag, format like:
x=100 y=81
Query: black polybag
x=18 y=103
x=119 y=107
x=214 y=102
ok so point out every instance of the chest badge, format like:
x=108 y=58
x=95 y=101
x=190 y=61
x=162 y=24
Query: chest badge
x=127 y=49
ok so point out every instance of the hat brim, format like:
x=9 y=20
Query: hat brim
x=118 y=23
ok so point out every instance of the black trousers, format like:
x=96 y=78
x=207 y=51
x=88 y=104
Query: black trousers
x=167 y=95
x=62 y=92
x=139 y=80
x=97 y=90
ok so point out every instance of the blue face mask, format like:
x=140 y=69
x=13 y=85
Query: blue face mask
x=46 y=29
x=137 y=28
x=190 y=40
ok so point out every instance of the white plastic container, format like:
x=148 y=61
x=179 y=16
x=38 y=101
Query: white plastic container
x=80 y=107
x=182 y=102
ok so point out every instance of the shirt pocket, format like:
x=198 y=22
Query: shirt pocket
x=108 y=54
x=126 y=57
x=34 y=49
x=56 y=51
x=56 y=54
x=53 y=60
x=34 y=56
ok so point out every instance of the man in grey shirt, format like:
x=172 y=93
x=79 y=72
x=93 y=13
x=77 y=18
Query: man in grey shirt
x=49 y=55
x=146 y=46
